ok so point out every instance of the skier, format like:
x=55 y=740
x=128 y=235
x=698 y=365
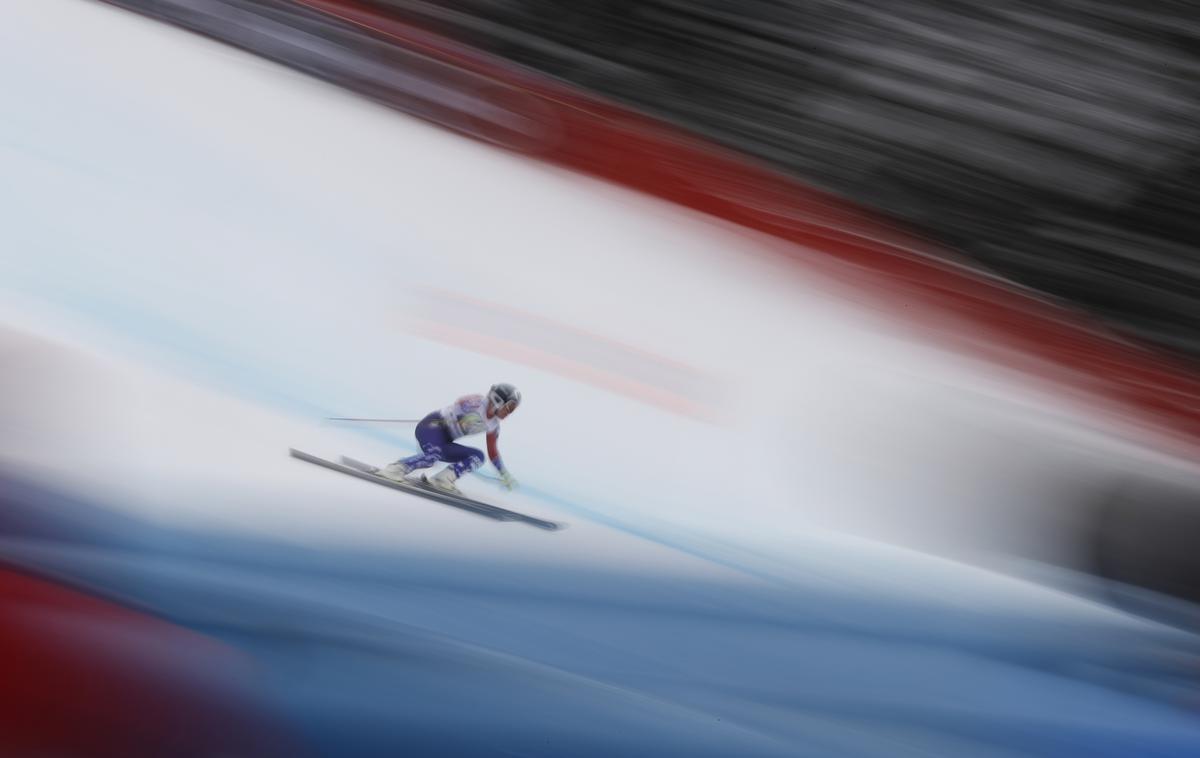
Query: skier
x=436 y=433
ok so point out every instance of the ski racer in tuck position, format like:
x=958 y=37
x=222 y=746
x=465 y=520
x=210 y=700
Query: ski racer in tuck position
x=437 y=432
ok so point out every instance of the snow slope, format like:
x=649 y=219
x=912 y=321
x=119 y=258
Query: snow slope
x=243 y=227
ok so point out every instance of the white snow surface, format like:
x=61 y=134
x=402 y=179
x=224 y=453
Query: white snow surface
x=205 y=254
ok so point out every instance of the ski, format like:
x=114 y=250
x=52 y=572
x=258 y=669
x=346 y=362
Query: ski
x=365 y=471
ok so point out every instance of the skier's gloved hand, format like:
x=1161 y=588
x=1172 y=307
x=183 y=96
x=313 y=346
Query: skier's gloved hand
x=507 y=480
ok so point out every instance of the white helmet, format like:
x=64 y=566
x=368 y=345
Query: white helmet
x=501 y=395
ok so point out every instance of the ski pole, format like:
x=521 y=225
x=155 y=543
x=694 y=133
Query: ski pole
x=375 y=420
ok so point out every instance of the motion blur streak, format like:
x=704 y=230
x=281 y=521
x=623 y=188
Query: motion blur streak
x=86 y=677
x=573 y=353
x=1053 y=142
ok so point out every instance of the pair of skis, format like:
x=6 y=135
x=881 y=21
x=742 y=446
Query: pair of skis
x=365 y=471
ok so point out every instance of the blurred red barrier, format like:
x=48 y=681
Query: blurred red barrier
x=85 y=677
x=990 y=318
x=478 y=94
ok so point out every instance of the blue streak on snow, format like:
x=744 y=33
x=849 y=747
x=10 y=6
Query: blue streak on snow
x=403 y=641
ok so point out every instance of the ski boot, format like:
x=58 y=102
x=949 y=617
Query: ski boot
x=397 y=472
x=443 y=481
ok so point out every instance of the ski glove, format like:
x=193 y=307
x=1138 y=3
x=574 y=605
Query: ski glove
x=507 y=480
